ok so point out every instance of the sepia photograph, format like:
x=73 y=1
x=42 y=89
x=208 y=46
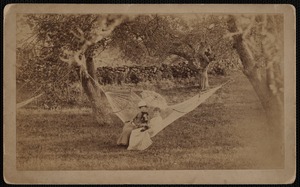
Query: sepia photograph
x=149 y=90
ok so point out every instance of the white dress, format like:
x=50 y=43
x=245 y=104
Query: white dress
x=142 y=140
x=155 y=126
x=139 y=140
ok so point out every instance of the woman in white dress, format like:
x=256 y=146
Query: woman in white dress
x=140 y=139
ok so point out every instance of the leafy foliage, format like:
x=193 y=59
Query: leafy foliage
x=152 y=39
x=140 y=40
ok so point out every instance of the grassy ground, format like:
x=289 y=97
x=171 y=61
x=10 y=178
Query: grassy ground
x=228 y=131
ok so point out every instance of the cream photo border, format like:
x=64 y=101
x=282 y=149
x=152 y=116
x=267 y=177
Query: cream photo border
x=286 y=175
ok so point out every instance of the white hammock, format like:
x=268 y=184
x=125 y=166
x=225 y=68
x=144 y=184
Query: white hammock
x=124 y=105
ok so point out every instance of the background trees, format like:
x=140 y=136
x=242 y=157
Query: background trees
x=155 y=38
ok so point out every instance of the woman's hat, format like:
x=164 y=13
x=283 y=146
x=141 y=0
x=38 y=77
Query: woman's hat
x=142 y=103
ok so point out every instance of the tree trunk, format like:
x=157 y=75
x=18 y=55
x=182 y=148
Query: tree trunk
x=100 y=105
x=203 y=79
x=274 y=111
x=269 y=100
x=259 y=83
x=201 y=68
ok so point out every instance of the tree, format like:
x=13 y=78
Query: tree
x=153 y=38
x=208 y=48
x=258 y=40
x=75 y=39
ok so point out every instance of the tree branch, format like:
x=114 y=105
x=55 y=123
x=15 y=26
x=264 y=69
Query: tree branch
x=191 y=47
x=181 y=54
x=79 y=36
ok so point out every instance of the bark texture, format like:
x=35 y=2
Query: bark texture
x=100 y=105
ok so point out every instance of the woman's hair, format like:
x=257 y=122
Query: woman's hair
x=156 y=109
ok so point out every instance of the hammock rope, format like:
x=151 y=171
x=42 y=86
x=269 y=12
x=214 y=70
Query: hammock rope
x=19 y=105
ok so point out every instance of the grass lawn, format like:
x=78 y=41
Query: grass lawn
x=228 y=131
